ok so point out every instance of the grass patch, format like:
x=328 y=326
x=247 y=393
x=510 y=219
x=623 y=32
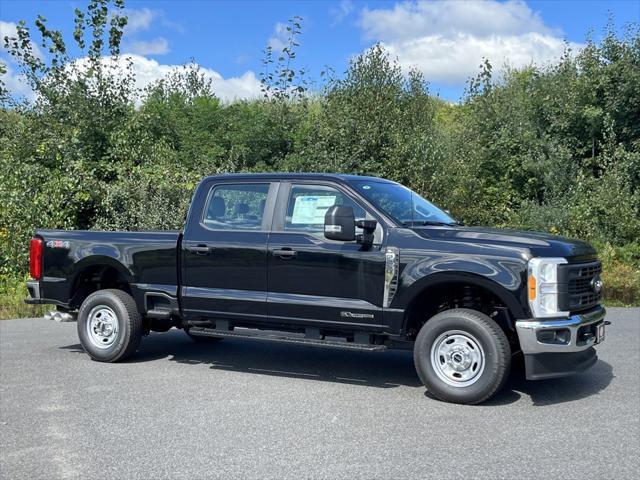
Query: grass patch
x=13 y=291
x=620 y=274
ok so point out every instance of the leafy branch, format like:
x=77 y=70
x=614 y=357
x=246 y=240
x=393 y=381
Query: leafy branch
x=279 y=81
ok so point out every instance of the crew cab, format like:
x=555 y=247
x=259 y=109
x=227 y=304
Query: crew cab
x=335 y=261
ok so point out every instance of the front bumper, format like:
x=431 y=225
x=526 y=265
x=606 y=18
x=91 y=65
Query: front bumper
x=558 y=347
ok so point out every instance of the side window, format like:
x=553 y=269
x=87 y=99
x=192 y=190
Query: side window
x=308 y=204
x=232 y=207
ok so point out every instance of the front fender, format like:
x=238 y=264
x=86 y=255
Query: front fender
x=503 y=277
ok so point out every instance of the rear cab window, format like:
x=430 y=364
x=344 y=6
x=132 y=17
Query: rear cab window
x=236 y=206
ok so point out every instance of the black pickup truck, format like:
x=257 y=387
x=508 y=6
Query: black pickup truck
x=339 y=261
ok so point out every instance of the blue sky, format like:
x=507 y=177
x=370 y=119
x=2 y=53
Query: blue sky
x=444 y=39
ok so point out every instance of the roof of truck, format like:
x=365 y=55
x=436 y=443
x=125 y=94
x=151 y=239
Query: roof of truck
x=296 y=176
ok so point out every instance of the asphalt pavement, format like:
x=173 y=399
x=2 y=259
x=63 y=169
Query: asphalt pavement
x=247 y=409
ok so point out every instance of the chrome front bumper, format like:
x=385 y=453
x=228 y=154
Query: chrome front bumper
x=529 y=333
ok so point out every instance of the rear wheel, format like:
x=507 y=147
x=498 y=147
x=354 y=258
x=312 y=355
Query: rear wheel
x=462 y=356
x=109 y=325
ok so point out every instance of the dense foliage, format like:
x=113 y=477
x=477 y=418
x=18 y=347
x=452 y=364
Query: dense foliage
x=553 y=148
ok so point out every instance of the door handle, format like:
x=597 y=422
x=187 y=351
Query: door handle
x=285 y=253
x=199 y=249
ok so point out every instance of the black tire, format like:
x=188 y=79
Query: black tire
x=202 y=339
x=492 y=372
x=128 y=320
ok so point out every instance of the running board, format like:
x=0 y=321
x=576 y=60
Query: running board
x=283 y=338
x=160 y=314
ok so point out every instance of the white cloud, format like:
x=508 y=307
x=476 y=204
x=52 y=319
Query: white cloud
x=279 y=38
x=9 y=29
x=15 y=82
x=228 y=89
x=243 y=58
x=147 y=71
x=142 y=20
x=139 y=19
x=342 y=11
x=476 y=17
x=157 y=46
x=447 y=40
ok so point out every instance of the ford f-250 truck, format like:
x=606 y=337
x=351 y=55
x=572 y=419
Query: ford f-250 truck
x=340 y=261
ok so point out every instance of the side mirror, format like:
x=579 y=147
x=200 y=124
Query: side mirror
x=340 y=223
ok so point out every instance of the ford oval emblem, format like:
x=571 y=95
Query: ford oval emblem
x=596 y=284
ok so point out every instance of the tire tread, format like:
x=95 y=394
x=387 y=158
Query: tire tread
x=134 y=319
x=502 y=366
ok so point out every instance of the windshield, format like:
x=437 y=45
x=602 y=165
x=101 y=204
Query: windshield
x=403 y=205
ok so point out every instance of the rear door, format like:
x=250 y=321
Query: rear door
x=318 y=282
x=224 y=252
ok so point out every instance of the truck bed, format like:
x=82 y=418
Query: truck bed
x=145 y=260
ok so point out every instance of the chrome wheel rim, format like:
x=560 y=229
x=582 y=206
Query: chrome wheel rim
x=457 y=358
x=102 y=326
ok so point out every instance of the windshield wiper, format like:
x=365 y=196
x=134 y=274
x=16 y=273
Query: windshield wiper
x=429 y=222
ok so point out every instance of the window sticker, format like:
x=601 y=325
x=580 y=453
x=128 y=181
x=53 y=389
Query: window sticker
x=310 y=209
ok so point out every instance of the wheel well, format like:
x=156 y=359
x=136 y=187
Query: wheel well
x=97 y=277
x=448 y=295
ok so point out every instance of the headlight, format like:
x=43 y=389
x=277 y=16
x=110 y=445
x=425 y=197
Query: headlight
x=542 y=286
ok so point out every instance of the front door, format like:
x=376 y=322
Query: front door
x=318 y=282
x=224 y=262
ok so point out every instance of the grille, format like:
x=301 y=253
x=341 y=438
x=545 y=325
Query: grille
x=580 y=294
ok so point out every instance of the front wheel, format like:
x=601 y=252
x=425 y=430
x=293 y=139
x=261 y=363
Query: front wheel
x=462 y=356
x=109 y=325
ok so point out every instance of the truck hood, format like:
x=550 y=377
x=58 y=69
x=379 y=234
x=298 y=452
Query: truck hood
x=538 y=244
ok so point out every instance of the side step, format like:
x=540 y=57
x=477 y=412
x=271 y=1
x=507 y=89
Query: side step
x=159 y=314
x=284 y=338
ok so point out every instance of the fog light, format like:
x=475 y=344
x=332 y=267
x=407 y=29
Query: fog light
x=563 y=336
x=558 y=337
